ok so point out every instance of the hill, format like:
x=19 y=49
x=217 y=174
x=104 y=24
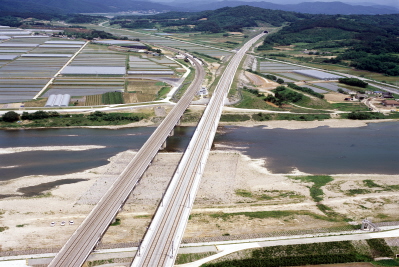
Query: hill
x=330 y=8
x=220 y=20
x=362 y=41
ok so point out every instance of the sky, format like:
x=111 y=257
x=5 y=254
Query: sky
x=394 y=3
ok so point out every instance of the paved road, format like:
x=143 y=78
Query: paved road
x=81 y=243
x=163 y=237
x=296 y=240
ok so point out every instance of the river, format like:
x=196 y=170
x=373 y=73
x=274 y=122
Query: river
x=323 y=150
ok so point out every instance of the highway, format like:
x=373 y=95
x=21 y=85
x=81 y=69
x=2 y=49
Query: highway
x=163 y=237
x=86 y=237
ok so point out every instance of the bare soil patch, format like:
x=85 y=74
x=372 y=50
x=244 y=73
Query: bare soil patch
x=262 y=84
x=335 y=97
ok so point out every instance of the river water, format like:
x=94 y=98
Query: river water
x=323 y=150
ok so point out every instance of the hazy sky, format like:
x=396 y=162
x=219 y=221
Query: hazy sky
x=357 y=2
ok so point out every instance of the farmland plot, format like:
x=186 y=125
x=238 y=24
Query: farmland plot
x=269 y=66
x=331 y=86
x=93 y=100
x=95 y=71
x=298 y=77
x=190 y=47
x=156 y=66
x=145 y=90
x=85 y=86
x=34 y=65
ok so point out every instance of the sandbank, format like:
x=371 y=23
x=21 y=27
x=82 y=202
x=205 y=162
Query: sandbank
x=226 y=174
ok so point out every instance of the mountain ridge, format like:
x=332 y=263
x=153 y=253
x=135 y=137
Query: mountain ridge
x=329 y=8
x=105 y=6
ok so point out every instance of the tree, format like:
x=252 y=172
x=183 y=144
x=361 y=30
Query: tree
x=11 y=116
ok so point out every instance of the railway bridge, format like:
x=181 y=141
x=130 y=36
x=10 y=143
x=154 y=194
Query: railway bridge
x=160 y=245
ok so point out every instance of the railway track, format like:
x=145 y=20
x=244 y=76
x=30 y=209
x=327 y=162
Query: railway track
x=86 y=237
x=163 y=237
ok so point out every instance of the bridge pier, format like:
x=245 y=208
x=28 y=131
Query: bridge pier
x=163 y=145
x=172 y=133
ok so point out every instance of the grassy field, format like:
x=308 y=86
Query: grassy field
x=163 y=92
x=184 y=86
x=36 y=103
x=253 y=102
x=313 y=102
x=350 y=106
x=185 y=258
x=310 y=254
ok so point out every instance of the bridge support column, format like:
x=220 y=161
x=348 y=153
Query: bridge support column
x=163 y=145
x=178 y=122
x=172 y=133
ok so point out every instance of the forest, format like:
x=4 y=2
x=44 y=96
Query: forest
x=370 y=42
x=14 y=19
x=215 y=21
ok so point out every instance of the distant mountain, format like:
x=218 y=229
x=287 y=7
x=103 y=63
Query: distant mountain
x=330 y=8
x=104 y=6
x=80 y=6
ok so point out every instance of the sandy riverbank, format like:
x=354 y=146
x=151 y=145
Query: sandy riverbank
x=231 y=183
x=10 y=150
x=294 y=125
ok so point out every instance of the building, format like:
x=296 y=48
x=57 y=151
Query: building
x=58 y=101
x=390 y=103
x=387 y=95
x=361 y=96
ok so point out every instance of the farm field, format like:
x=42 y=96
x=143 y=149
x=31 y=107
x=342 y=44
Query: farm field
x=27 y=64
x=298 y=77
x=145 y=90
x=85 y=86
x=332 y=86
x=36 y=60
x=165 y=41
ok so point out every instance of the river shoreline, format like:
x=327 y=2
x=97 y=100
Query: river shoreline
x=283 y=124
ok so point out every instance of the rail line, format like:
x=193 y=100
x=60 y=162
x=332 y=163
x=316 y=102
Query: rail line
x=162 y=240
x=86 y=237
